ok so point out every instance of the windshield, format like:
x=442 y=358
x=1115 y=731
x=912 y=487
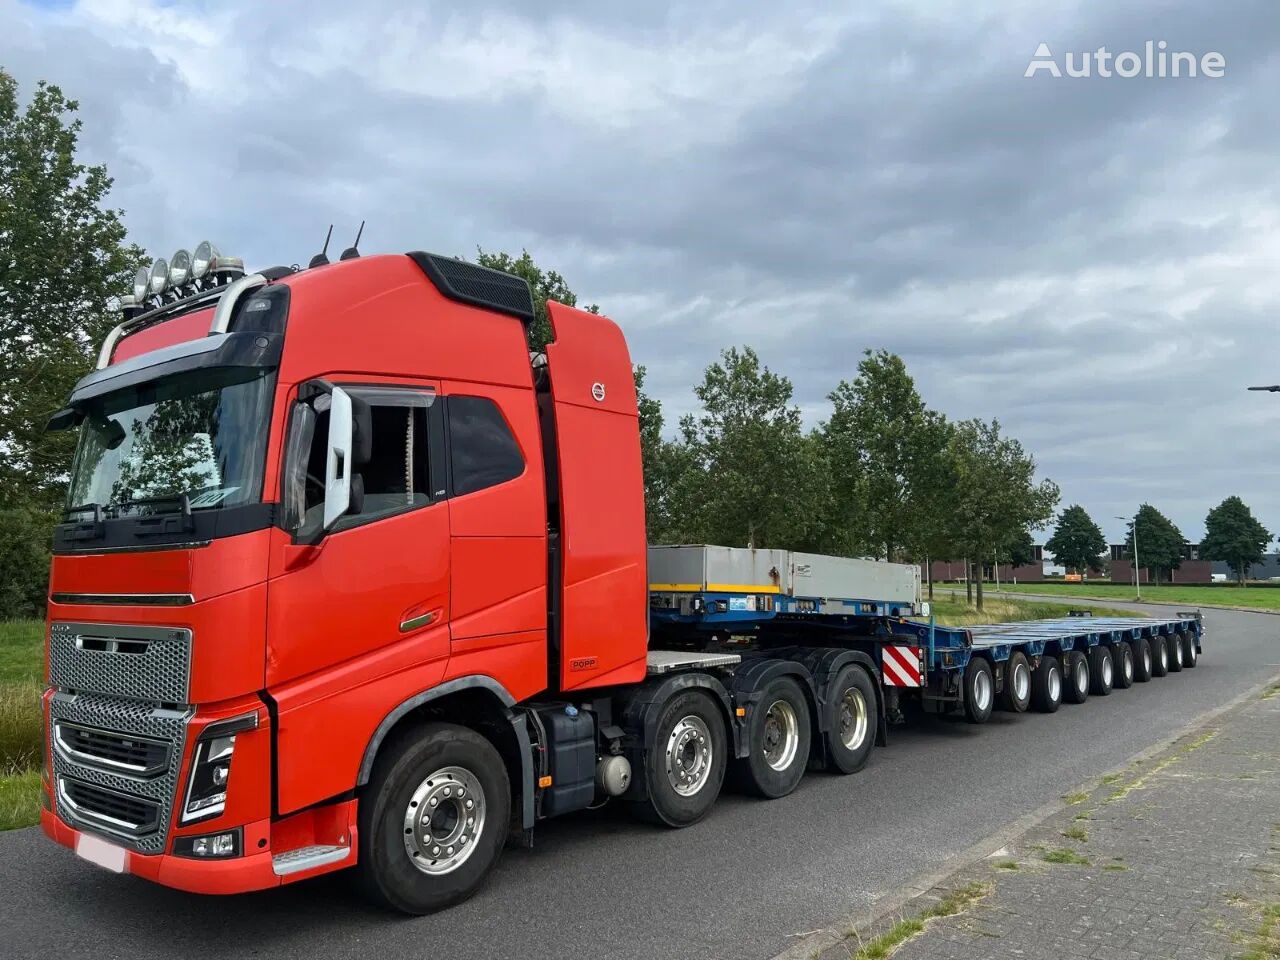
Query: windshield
x=201 y=435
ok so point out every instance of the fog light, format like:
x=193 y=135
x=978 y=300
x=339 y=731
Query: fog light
x=215 y=846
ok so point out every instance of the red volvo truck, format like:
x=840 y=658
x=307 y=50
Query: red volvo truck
x=349 y=577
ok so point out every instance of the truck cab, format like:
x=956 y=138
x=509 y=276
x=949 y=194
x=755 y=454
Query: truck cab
x=309 y=507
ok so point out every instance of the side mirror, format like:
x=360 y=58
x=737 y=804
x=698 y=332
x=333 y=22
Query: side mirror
x=338 y=458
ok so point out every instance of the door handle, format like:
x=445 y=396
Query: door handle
x=413 y=623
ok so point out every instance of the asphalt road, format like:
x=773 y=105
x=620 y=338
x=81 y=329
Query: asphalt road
x=742 y=885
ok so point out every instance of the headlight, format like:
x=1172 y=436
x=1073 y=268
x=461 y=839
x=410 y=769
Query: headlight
x=159 y=276
x=211 y=768
x=179 y=268
x=210 y=771
x=206 y=253
x=141 y=283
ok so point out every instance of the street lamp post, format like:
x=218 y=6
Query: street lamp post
x=1137 y=570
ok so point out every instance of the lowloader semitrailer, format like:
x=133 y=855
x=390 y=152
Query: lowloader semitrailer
x=349 y=578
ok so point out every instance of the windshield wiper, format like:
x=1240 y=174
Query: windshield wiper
x=155 y=514
x=90 y=529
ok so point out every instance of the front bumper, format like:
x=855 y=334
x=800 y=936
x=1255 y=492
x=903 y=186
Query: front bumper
x=259 y=868
x=236 y=875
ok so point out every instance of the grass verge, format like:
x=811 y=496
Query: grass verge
x=951 y=611
x=1262 y=597
x=21 y=725
x=955 y=902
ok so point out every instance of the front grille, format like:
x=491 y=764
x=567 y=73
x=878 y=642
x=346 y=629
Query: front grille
x=113 y=726
x=122 y=753
x=123 y=660
x=113 y=811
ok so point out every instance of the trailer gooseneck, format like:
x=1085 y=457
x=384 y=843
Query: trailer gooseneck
x=349 y=579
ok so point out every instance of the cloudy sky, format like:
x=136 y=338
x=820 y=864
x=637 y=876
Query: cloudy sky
x=1093 y=261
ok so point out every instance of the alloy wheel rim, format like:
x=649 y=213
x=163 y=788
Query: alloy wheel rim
x=1021 y=681
x=1107 y=672
x=853 y=718
x=982 y=690
x=444 y=818
x=781 y=735
x=689 y=756
x=1055 y=685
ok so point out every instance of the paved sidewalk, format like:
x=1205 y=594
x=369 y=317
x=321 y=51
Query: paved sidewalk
x=1175 y=858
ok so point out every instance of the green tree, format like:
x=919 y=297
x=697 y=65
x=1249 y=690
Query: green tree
x=665 y=463
x=753 y=477
x=1160 y=542
x=1233 y=534
x=545 y=284
x=886 y=451
x=63 y=254
x=1077 y=542
x=997 y=496
x=1021 y=551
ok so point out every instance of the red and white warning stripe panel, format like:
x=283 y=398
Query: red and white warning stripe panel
x=901 y=665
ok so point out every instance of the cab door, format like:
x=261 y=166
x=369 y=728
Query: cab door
x=358 y=620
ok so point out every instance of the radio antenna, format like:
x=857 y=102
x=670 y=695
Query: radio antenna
x=353 y=251
x=321 y=258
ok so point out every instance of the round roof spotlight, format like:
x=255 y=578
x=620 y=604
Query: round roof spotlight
x=179 y=268
x=205 y=256
x=141 y=283
x=159 y=276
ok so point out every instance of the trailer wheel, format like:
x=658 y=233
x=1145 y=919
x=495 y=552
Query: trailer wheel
x=1046 y=685
x=684 y=770
x=1016 y=695
x=1190 y=656
x=1077 y=678
x=1159 y=657
x=433 y=820
x=1143 y=661
x=979 y=691
x=1124 y=670
x=1102 y=670
x=1173 y=643
x=851 y=719
x=779 y=732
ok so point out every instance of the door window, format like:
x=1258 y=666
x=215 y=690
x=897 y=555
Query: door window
x=482 y=451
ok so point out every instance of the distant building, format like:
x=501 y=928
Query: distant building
x=1268 y=569
x=1193 y=568
x=1024 y=573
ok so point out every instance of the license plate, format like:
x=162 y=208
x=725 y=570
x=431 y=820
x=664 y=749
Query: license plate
x=104 y=854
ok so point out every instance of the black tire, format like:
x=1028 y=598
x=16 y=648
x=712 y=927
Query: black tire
x=1046 y=685
x=1016 y=695
x=1173 y=643
x=779 y=732
x=1075 y=681
x=1159 y=657
x=851 y=719
x=1102 y=670
x=1190 y=655
x=1143 y=660
x=408 y=776
x=690 y=724
x=979 y=691
x=1122 y=653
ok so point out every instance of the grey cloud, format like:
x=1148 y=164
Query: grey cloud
x=1092 y=261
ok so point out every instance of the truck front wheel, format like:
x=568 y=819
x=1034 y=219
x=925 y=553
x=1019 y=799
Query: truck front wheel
x=433 y=820
x=684 y=768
